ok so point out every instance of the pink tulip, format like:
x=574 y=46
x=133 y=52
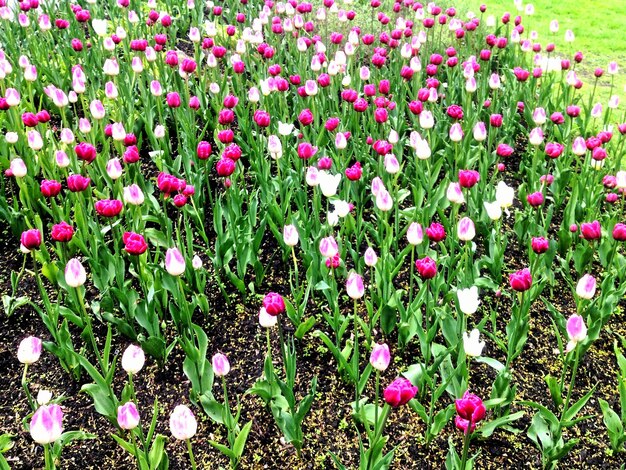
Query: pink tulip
x=183 y=424
x=470 y=409
x=127 y=416
x=586 y=287
x=354 y=286
x=46 y=425
x=29 y=350
x=274 y=303
x=399 y=392
x=174 y=262
x=220 y=364
x=380 y=357
x=466 y=230
x=576 y=331
x=521 y=280
x=75 y=275
x=133 y=359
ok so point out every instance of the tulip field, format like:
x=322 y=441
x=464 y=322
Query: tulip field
x=288 y=235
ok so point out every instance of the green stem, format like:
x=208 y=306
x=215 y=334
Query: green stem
x=466 y=441
x=571 y=383
x=191 y=458
x=356 y=354
x=29 y=397
x=48 y=457
x=134 y=441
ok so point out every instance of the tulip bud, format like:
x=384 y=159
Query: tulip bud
x=370 y=257
x=183 y=424
x=75 y=275
x=586 y=287
x=290 y=235
x=576 y=331
x=399 y=392
x=220 y=364
x=29 y=350
x=46 y=425
x=354 y=286
x=380 y=357
x=133 y=359
x=127 y=416
x=466 y=230
x=174 y=262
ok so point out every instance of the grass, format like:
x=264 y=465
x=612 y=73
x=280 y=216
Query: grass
x=597 y=26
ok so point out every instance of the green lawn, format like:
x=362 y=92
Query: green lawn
x=597 y=26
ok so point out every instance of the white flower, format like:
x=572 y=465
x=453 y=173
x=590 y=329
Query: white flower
x=494 y=211
x=504 y=195
x=471 y=343
x=468 y=300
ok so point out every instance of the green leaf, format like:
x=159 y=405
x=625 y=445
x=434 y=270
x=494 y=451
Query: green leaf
x=304 y=328
x=573 y=410
x=223 y=449
x=240 y=441
x=487 y=429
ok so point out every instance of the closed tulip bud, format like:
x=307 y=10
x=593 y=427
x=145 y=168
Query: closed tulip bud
x=415 y=234
x=29 y=350
x=384 y=202
x=392 y=166
x=75 y=274
x=456 y=132
x=454 y=193
x=468 y=178
x=127 y=416
x=619 y=232
x=426 y=267
x=480 y=132
x=46 y=425
x=536 y=136
x=290 y=235
x=328 y=247
x=380 y=357
x=521 y=280
x=183 y=424
x=399 y=392
x=220 y=364
x=535 y=199
x=468 y=300
x=31 y=239
x=472 y=345
x=18 y=168
x=586 y=287
x=370 y=257
x=576 y=331
x=133 y=195
x=44 y=397
x=133 y=359
x=114 y=168
x=174 y=262
x=354 y=286
x=591 y=230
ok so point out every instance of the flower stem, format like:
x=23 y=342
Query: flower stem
x=191 y=458
x=48 y=457
x=466 y=441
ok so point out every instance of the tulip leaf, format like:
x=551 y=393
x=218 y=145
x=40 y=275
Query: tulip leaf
x=240 y=441
x=487 y=429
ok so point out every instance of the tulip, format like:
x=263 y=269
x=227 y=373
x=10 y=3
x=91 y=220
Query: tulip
x=540 y=245
x=183 y=424
x=44 y=397
x=468 y=178
x=415 y=234
x=290 y=235
x=174 y=262
x=274 y=303
x=576 y=331
x=46 y=425
x=384 y=202
x=465 y=229
x=220 y=364
x=468 y=300
x=619 y=232
x=108 y=207
x=29 y=350
x=380 y=357
x=370 y=257
x=75 y=275
x=436 y=232
x=128 y=416
x=494 y=211
x=328 y=247
x=470 y=411
x=426 y=267
x=354 y=286
x=504 y=195
x=133 y=195
x=328 y=183
x=586 y=287
x=591 y=230
x=472 y=345
x=30 y=239
x=133 y=359
x=454 y=193
x=135 y=244
x=399 y=392
x=521 y=280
